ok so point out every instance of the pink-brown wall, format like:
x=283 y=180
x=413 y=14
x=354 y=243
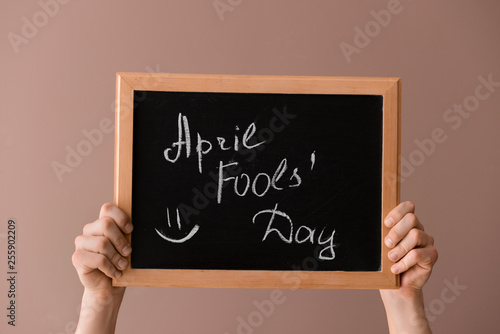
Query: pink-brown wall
x=58 y=60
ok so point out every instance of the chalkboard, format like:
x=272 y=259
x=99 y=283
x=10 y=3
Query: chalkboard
x=245 y=181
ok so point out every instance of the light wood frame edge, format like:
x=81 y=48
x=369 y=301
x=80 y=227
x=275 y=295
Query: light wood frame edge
x=389 y=88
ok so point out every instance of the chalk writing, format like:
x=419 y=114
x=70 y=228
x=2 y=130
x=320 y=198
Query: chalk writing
x=204 y=146
x=288 y=236
x=243 y=184
x=179 y=226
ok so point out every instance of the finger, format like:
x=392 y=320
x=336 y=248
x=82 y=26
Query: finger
x=423 y=257
x=398 y=213
x=120 y=218
x=86 y=262
x=401 y=229
x=107 y=227
x=414 y=238
x=101 y=245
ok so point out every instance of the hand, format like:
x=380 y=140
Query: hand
x=414 y=254
x=412 y=249
x=99 y=256
x=101 y=250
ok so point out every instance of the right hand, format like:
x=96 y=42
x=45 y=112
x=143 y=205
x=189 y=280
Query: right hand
x=101 y=251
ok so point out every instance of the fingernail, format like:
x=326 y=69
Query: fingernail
x=389 y=222
x=393 y=256
x=128 y=228
x=118 y=274
x=395 y=269
x=126 y=250
x=122 y=264
x=389 y=242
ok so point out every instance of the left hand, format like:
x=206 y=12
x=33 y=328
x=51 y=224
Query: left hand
x=412 y=249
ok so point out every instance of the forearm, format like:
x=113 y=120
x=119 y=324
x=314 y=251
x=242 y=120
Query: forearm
x=99 y=312
x=405 y=312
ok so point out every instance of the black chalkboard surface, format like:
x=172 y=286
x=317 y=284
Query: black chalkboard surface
x=328 y=140
x=252 y=182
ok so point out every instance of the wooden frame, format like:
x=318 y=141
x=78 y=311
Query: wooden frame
x=389 y=88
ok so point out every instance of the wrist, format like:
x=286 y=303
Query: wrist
x=104 y=296
x=105 y=302
x=405 y=311
x=402 y=295
x=99 y=310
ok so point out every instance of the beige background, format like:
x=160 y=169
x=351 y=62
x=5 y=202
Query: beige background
x=62 y=81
